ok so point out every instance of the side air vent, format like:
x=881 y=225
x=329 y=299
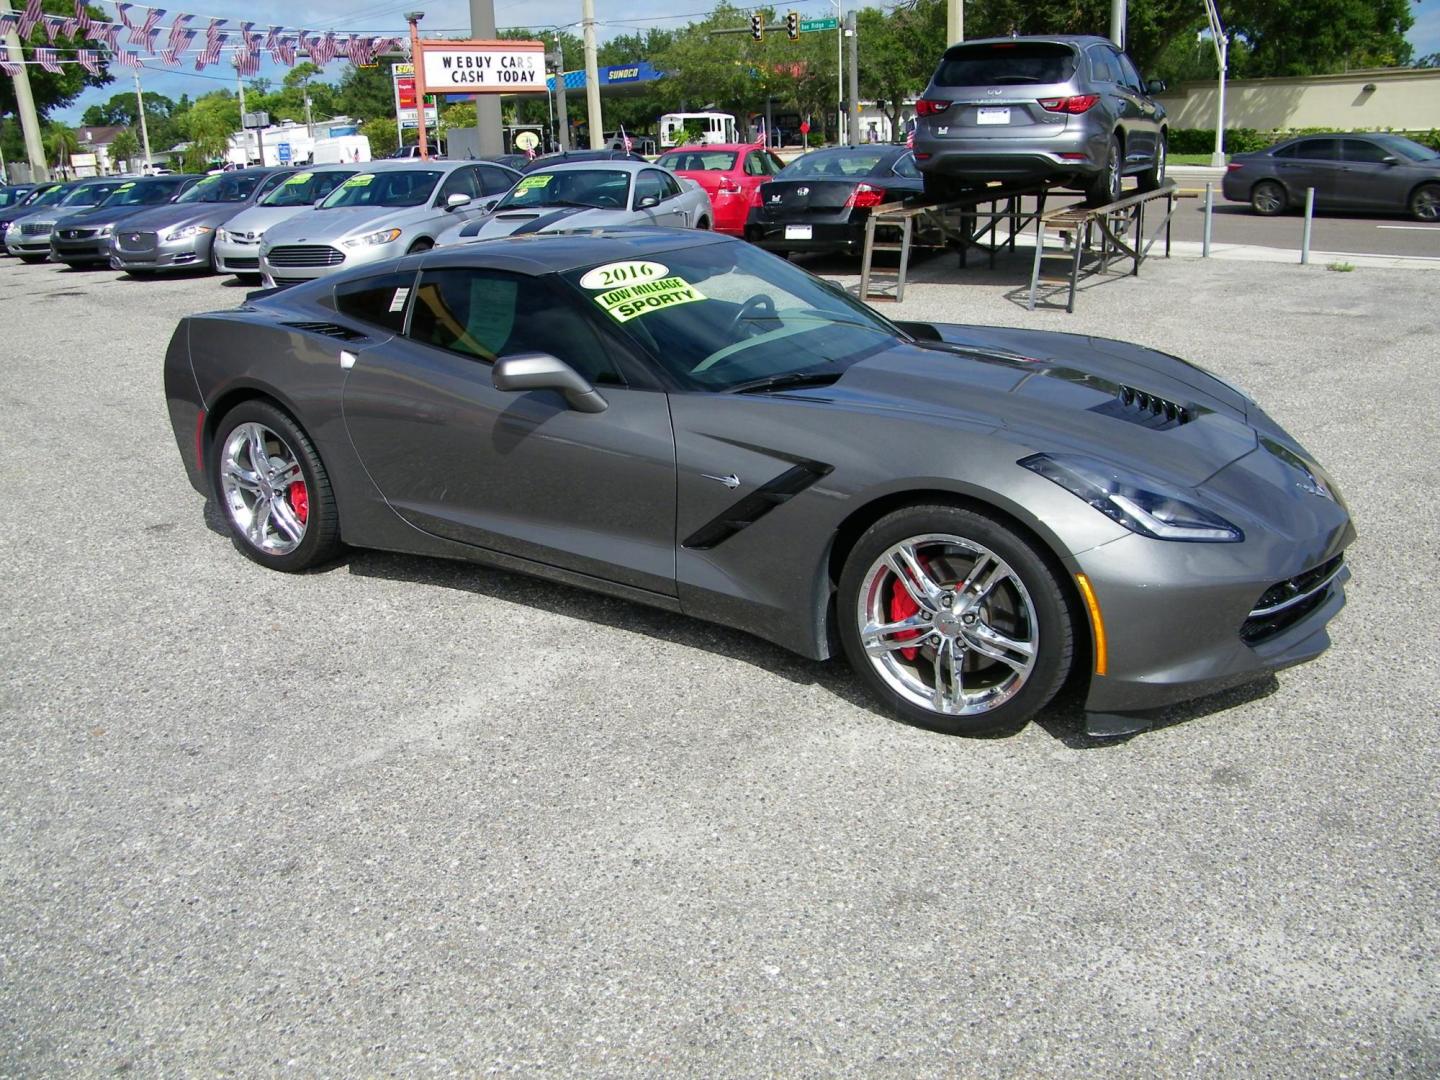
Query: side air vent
x=757 y=504
x=329 y=330
x=1147 y=410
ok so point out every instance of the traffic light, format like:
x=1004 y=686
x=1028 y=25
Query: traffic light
x=792 y=25
x=757 y=24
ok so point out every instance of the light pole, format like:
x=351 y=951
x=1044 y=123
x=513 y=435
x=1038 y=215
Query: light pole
x=562 y=107
x=488 y=120
x=592 y=78
x=954 y=22
x=417 y=61
x=145 y=131
x=25 y=106
x=244 y=130
x=1117 y=23
x=1222 y=53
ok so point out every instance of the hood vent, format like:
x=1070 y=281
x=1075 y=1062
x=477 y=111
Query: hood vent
x=333 y=330
x=1147 y=410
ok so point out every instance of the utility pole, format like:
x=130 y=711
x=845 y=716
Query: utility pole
x=592 y=78
x=954 y=21
x=854 y=77
x=1221 y=42
x=244 y=131
x=309 y=120
x=562 y=110
x=144 y=130
x=487 y=106
x=1117 y=23
x=25 y=106
x=417 y=59
x=839 y=73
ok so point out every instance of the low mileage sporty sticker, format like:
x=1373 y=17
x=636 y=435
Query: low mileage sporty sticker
x=625 y=303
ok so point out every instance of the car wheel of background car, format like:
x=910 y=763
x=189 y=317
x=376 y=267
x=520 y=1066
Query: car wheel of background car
x=1105 y=188
x=703 y=223
x=954 y=621
x=1268 y=198
x=1425 y=203
x=422 y=244
x=273 y=489
x=33 y=259
x=1153 y=177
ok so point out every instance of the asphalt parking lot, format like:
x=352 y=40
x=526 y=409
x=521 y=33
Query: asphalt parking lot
x=402 y=817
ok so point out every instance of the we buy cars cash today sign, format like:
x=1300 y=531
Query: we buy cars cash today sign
x=483 y=67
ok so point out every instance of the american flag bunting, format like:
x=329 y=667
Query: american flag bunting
x=48 y=60
x=5 y=65
x=130 y=58
x=52 y=25
x=89 y=59
x=29 y=18
x=146 y=33
x=82 y=17
x=8 y=24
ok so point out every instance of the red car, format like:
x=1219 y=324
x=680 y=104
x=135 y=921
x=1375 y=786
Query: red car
x=730 y=174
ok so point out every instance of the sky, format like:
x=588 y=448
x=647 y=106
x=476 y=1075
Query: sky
x=453 y=17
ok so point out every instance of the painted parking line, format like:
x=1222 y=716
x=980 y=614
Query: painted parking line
x=1415 y=228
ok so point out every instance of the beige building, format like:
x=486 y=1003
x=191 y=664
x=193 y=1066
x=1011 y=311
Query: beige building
x=1402 y=99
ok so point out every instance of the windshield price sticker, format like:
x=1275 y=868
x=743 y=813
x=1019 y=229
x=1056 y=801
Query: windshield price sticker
x=360 y=180
x=298 y=178
x=123 y=187
x=622 y=273
x=530 y=183
x=625 y=303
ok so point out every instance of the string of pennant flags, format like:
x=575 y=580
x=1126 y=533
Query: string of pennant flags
x=244 y=40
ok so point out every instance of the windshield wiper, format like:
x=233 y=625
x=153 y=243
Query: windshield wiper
x=790 y=381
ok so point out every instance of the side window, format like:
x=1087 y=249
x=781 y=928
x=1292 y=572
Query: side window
x=756 y=164
x=379 y=301
x=1362 y=150
x=905 y=166
x=1316 y=149
x=495 y=180
x=273 y=181
x=1128 y=75
x=327 y=182
x=459 y=182
x=486 y=314
x=1101 y=64
x=670 y=184
x=649 y=184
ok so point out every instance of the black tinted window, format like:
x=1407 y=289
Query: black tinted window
x=649 y=185
x=1102 y=66
x=1363 y=150
x=487 y=314
x=495 y=180
x=1005 y=63
x=1313 y=149
x=376 y=300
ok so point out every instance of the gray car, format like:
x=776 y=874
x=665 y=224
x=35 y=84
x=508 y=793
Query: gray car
x=237 y=243
x=29 y=237
x=179 y=235
x=390 y=208
x=973 y=515
x=1376 y=172
x=1068 y=110
x=83 y=239
x=591 y=194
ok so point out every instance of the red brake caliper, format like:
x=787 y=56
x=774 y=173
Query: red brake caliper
x=902 y=606
x=299 y=500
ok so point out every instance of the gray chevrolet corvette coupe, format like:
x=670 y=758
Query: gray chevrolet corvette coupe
x=971 y=514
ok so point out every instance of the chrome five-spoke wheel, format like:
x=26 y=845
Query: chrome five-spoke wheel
x=274 y=489
x=955 y=620
x=264 y=488
x=948 y=625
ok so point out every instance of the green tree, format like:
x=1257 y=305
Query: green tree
x=898 y=51
x=126 y=147
x=54 y=91
x=208 y=126
x=367 y=93
x=1318 y=37
x=381 y=133
x=60 y=142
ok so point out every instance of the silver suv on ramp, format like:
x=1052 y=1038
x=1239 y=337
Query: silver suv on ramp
x=1067 y=110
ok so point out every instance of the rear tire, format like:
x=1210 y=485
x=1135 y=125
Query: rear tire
x=1154 y=176
x=1268 y=198
x=1425 y=203
x=273 y=489
x=1105 y=187
x=998 y=650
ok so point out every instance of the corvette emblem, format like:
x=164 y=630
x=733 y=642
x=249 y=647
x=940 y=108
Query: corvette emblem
x=731 y=481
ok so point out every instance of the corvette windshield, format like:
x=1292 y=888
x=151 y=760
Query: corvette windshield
x=393 y=187
x=601 y=188
x=304 y=188
x=730 y=317
x=221 y=188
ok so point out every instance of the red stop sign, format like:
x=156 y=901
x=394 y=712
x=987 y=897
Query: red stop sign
x=804 y=127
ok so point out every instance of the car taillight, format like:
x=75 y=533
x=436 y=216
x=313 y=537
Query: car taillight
x=930 y=106
x=865 y=196
x=1073 y=105
x=755 y=194
x=1234 y=165
x=728 y=186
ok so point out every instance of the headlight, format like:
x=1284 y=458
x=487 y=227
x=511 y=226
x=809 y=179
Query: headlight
x=384 y=236
x=1141 y=505
x=222 y=235
x=188 y=231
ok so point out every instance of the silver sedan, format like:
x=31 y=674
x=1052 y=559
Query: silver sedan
x=591 y=194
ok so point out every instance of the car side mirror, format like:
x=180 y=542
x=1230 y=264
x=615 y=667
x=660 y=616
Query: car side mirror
x=647 y=201
x=1390 y=159
x=541 y=371
x=459 y=199
x=1155 y=86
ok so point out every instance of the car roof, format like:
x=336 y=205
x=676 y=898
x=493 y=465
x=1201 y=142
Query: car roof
x=1081 y=40
x=732 y=148
x=412 y=164
x=622 y=164
x=547 y=253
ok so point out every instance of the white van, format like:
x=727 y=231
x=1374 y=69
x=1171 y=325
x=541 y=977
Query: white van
x=715 y=127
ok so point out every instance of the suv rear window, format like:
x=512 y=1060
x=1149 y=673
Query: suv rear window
x=1004 y=64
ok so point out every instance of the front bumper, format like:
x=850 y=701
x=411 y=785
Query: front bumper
x=293 y=264
x=236 y=256
x=150 y=254
x=19 y=243
x=83 y=249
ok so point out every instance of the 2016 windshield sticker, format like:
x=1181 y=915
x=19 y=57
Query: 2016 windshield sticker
x=625 y=303
x=530 y=183
x=360 y=180
x=298 y=178
x=622 y=273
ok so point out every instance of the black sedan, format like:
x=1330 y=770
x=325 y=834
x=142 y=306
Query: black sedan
x=819 y=202
x=1377 y=172
x=566 y=157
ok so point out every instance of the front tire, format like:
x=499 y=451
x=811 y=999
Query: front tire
x=1425 y=203
x=1268 y=198
x=1154 y=176
x=954 y=621
x=273 y=489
